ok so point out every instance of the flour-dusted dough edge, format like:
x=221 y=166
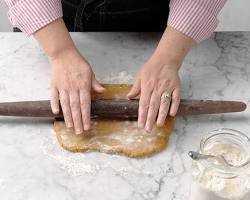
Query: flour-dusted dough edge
x=122 y=151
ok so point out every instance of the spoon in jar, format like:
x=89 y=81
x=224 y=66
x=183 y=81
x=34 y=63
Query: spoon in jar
x=198 y=156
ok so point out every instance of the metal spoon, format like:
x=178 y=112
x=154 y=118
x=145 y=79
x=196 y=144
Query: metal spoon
x=198 y=156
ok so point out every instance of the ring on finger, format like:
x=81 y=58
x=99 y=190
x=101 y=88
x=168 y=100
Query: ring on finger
x=166 y=96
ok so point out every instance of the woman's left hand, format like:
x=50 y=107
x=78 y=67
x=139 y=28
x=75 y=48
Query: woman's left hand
x=159 y=86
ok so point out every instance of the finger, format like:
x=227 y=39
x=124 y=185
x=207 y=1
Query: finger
x=54 y=100
x=135 y=90
x=85 y=101
x=153 y=111
x=97 y=87
x=163 y=111
x=64 y=100
x=76 y=112
x=143 y=106
x=175 y=102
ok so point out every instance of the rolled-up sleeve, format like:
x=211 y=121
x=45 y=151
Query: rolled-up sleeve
x=32 y=15
x=195 y=18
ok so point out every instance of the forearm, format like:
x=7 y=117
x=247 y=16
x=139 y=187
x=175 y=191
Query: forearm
x=54 y=38
x=173 y=47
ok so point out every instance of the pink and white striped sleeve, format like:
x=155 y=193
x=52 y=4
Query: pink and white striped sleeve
x=195 y=18
x=32 y=15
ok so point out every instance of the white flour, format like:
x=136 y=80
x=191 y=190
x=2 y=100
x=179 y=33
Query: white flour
x=207 y=185
x=78 y=164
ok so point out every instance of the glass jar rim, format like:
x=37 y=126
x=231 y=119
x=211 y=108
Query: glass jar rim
x=229 y=169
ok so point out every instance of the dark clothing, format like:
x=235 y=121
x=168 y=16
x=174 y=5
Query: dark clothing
x=115 y=15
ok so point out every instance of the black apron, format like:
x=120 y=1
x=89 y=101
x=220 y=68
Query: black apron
x=115 y=15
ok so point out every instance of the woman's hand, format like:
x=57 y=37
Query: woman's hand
x=72 y=82
x=158 y=81
x=154 y=79
x=72 y=77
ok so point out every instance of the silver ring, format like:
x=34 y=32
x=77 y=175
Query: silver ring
x=166 y=95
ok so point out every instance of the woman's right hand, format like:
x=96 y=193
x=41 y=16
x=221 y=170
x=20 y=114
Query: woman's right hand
x=71 y=83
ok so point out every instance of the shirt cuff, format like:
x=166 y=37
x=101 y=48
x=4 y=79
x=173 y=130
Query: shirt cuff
x=32 y=15
x=195 y=18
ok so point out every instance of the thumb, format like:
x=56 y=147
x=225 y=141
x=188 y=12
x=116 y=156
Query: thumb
x=135 y=89
x=97 y=86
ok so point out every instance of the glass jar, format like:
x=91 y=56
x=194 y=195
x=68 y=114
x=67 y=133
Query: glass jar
x=212 y=180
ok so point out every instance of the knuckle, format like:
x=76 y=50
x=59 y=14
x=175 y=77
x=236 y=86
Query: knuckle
x=149 y=84
x=64 y=89
x=151 y=117
x=153 y=104
x=66 y=115
x=78 y=75
x=84 y=86
x=142 y=114
x=74 y=107
x=143 y=104
x=176 y=98
x=165 y=101
x=63 y=100
x=85 y=104
x=85 y=94
x=85 y=119
x=166 y=82
x=163 y=113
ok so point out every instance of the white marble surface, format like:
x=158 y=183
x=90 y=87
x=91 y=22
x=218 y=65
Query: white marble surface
x=235 y=16
x=33 y=166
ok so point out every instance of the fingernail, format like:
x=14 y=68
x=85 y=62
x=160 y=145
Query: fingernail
x=140 y=125
x=147 y=128
x=69 y=125
x=78 y=132
x=172 y=114
x=86 y=127
x=159 y=124
x=55 y=111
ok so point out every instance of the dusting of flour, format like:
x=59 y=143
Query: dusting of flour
x=76 y=164
x=79 y=164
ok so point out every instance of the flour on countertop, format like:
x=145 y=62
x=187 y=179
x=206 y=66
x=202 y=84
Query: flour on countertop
x=73 y=164
x=78 y=164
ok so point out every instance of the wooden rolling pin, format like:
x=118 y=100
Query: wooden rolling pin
x=120 y=109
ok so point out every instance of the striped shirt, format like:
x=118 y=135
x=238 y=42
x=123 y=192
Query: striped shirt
x=194 y=18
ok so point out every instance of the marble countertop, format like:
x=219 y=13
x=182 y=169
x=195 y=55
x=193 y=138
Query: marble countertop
x=33 y=166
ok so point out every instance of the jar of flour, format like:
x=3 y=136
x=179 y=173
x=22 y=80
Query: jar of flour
x=214 y=180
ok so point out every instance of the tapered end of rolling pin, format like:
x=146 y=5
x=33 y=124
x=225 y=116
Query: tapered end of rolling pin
x=26 y=109
x=198 y=107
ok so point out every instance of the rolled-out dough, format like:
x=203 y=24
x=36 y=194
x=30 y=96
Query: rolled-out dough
x=115 y=136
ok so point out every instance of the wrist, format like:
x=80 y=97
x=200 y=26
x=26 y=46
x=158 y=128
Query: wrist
x=63 y=52
x=172 y=48
x=167 y=59
x=54 y=38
